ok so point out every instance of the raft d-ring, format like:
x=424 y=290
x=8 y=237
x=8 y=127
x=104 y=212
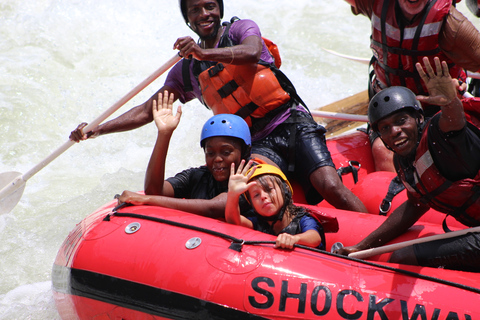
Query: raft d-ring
x=192 y=243
x=132 y=227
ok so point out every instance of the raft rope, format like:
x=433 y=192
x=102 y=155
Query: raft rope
x=237 y=245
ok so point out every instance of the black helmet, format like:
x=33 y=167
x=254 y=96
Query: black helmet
x=389 y=101
x=183 y=8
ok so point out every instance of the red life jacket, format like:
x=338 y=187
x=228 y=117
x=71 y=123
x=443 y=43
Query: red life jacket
x=397 y=48
x=461 y=198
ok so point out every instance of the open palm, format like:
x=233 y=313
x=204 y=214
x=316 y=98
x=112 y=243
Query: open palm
x=163 y=116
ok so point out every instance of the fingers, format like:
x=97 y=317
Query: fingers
x=441 y=68
x=445 y=69
x=185 y=46
x=165 y=101
x=77 y=135
x=285 y=241
x=421 y=72
x=428 y=67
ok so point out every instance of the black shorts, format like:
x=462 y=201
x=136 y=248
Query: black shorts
x=310 y=151
x=458 y=253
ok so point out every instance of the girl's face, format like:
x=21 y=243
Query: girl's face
x=267 y=200
x=220 y=153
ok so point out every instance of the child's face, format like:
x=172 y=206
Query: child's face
x=220 y=153
x=267 y=201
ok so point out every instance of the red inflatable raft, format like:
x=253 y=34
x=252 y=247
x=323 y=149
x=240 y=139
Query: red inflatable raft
x=145 y=262
x=154 y=263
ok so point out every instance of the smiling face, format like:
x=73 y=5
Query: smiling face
x=266 y=196
x=400 y=132
x=220 y=153
x=204 y=18
x=410 y=8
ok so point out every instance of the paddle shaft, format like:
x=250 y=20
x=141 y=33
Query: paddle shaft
x=473 y=75
x=339 y=116
x=11 y=186
x=392 y=247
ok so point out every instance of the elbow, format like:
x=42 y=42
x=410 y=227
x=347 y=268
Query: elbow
x=146 y=115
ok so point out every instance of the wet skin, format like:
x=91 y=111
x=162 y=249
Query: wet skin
x=220 y=153
x=400 y=132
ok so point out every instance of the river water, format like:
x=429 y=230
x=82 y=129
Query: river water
x=64 y=62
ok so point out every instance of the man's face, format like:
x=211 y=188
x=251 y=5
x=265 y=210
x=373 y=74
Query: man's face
x=204 y=17
x=399 y=131
x=411 y=8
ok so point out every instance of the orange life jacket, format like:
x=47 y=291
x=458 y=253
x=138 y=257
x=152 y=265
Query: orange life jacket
x=249 y=91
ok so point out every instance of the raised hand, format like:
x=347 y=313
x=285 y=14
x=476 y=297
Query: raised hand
x=238 y=182
x=162 y=110
x=440 y=85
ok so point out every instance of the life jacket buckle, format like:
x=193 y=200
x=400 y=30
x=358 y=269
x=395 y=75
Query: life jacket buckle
x=213 y=71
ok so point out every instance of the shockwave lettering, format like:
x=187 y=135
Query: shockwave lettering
x=308 y=299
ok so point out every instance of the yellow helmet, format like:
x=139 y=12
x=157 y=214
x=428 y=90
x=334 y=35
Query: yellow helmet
x=262 y=169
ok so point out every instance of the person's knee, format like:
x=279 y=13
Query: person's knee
x=382 y=156
x=326 y=179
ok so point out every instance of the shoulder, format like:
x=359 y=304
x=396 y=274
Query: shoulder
x=244 y=24
x=307 y=222
x=455 y=24
x=192 y=173
x=364 y=7
x=243 y=28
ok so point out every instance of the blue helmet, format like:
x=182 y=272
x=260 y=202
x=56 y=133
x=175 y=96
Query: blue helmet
x=226 y=125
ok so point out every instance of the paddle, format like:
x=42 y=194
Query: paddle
x=392 y=247
x=339 y=116
x=12 y=183
x=473 y=75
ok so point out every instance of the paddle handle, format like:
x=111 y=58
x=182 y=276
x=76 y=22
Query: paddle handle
x=339 y=116
x=392 y=247
x=92 y=125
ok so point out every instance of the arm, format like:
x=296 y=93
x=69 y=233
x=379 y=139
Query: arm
x=247 y=52
x=213 y=208
x=132 y=119
x=166 y=123
x=442 y=92
x=309 y=238
x=460 y=41
x=237 y=184
x=395 y=225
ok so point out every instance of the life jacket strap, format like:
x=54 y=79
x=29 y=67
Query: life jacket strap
x=228 y=89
